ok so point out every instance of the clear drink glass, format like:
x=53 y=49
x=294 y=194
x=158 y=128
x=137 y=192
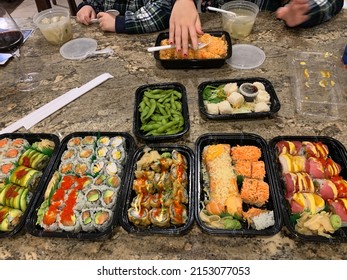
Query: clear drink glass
x=11 y=38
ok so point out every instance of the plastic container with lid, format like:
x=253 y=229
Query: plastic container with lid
x=316 y=85
x=54 y=24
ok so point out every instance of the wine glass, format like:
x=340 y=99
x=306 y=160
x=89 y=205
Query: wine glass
x=11 y=39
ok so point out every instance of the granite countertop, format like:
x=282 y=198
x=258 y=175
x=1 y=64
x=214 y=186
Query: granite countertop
x=109 y=107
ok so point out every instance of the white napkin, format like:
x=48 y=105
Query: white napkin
x=43 y=112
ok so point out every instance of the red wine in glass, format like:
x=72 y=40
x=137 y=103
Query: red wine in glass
x=10 y=40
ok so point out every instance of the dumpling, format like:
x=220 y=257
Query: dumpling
x=263 y=96
x=230 y=88
x=259 y=85
x=236 y=99
x=212 y=108
x=225 y=107
x=261 y=107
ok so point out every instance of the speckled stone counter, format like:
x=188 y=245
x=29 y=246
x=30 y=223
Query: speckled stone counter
x=109 y=107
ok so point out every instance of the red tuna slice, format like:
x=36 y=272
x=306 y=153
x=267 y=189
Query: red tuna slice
x=298 y=182
x=326 y=189
x=288 y=147
x=296 y=207
x=339 y=207
x=290 y=163
x=341 y=185
x=315 y=167
x=332 y=168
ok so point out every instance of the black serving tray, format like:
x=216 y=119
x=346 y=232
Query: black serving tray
x=193 y=63
x=137 y=120
x=338 y=153
x=31 y=138
x=37 y=230
x=274 y=108
x=129 y=193
x=273 y=203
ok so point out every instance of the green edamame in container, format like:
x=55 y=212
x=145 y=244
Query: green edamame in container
x=161 y=112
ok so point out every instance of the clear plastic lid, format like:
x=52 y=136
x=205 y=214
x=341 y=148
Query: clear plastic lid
x=78 y=48
x=246 y=57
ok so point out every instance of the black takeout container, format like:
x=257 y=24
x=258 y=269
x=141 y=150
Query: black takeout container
x=31 y=138
x=129 y=193
x=274 y=108
x=338 y=153
x=241 y=139
x=137 y=115
x=193 y=63
x=37 y=230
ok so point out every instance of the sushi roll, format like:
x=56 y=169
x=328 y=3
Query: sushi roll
x=70 y=154
x=113 y=181
x=88 y=140
x=102 y=152
x=66 y=167
x=47 y=215
x=81 y=168
x=160 y=217
x=15 y=196
x=93 y=197
x=117 y=141
x=86 y=219
x=68 y=220
x=102 y=218
x=19 y=143
x=33 y=159
x=103 y=141
x=6 y=168
x=9 y=218
x=4 y=143
x=12 y=154
x=255 y=192
x=25 y=177
x=86 y=154
x=44 y=146
x=113 y=168
x=108 y=197
x=139 y=216
x=74 y=142
x=118 y=154
x=259 y=219
x=97 y=167
x=178 y=213
x=100 y=179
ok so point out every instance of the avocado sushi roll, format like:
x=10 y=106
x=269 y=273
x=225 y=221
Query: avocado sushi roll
x=102 y=218
x=44 y=146
x=25 y=177
x=15 y=196
x=33 y=159
x=9 y=218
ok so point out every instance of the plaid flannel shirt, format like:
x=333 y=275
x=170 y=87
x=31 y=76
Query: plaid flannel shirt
x=320 y=10
x=136 y=16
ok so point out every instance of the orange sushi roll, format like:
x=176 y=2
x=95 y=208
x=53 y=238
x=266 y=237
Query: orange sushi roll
x=255 y=192
x=251 y=153
x=258 y=170
x=244 y=168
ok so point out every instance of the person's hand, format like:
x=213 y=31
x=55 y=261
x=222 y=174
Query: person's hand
x=294 y=13
x=184 y=25
x=85 y=15
x=106 y=22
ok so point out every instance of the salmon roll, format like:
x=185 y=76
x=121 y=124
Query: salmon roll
x=102 y=218
x=258 y=170
x=244 y=168
x=5 y=143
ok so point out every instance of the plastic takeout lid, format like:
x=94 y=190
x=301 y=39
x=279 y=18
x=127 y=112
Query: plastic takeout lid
x=246 y=57
x=78 y=48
